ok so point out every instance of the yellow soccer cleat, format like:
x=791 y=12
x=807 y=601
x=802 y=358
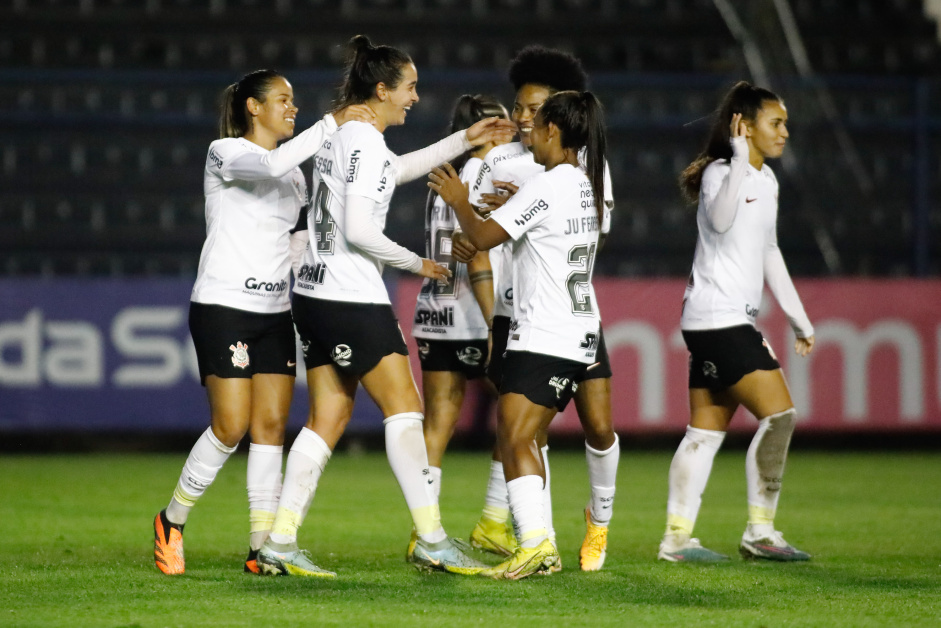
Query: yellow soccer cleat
x=494 y=537
x=526 y=561
x=594 y=547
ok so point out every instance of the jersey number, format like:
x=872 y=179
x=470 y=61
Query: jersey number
x=326 y=229
x=578 y=281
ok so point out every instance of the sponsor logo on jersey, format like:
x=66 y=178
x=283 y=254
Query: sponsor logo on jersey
x=442 y=318
x=341 y=354
x=384 y=180
x=709 y=370
x=500 y=158
x=353 y=169
x=751 y=311
x=560 y=384
x=312 y=273
x=484 y=169
x=470 y=356
x=508 y=295
x=590 y=342
x=537 y=206
x=239 y=355
x=215 y=158
x=323 y=165
x=266 y=286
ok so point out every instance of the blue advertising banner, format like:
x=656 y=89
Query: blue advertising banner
x=111 y=355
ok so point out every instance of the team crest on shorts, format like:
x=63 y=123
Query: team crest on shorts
x=423 y=349
x=470 y=356
x=239 y=354
x=709 y=369
x=341 y=355
x=560 y=384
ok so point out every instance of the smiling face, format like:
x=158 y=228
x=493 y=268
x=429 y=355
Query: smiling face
x=529 y=99
x=276 y=115
x=394 y=104
x=768 y=133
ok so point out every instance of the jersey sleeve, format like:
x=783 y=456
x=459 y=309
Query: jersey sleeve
x=368 y=167
x=526 y=209
x=608 y=201
x=232 y=161
x=720 y=188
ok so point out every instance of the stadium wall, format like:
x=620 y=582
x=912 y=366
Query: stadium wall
x=114 y=355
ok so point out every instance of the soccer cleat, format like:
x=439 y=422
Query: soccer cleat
x=289 y=562
x=770 y=546
x=594 y=547
x=445 y=555
x=168 y=545
x=524 y=562
x=251 y=563
x=682 y=549
x=494 y=537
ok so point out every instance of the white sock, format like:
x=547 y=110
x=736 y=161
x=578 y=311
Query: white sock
x=547 y=496
x=689 y=473
x=306 y=461
x=263 y=480
x=206 y=458
x=764 y=466
x=497 y=500
x=436 y=476
x=602 y=477
x=405 y=448
x=526 y=502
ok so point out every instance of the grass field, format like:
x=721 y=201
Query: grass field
x=78 y=548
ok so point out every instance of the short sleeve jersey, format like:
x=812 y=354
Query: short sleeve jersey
x=245 y=262
x=514 y=163
x=447 y=310
x=354 y=162
x=727 y=278
x=554 y=227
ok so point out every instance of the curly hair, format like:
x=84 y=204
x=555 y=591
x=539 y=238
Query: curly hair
x=557 y=70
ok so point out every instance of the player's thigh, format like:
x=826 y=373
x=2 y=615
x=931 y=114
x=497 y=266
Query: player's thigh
x=392 y=387
x=593 y=402
x=763 y=393
x=711 y=410
x=230 y=407
x=331 y=395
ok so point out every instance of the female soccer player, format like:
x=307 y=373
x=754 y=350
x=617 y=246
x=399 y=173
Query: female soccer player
x=730 y=363
x=554 y=224
x=452 y=319
x=537 y=73
x=343 y=314
x=240 y=315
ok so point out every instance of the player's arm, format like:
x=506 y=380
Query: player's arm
x=779 y=281
x=418 y=163
x=481 y=277
x=722 y=205
x=483 y=233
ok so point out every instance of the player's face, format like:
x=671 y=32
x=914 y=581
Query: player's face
x=540 y=143
x=529 y=99
x=401 y=99
x=769 y=130
x=277 y=114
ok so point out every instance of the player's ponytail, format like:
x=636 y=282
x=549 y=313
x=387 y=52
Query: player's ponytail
x=580 y=118
x=234 y=119
x=368 y=66
x=743 y=98
x=467 y=111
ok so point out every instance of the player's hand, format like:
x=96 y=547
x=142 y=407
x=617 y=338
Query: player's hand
x=360 y=113
x=433 y=270
x=446 y=182
x=803 y=346
x=496 y=130
x=496 y=200
x=737 y=126
x=461 y=248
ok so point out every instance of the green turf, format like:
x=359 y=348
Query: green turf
x=77 y=549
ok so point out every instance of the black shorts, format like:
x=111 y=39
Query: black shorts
x=353 y=337
x=601 y=369
x=546 y=380
x=500 y=332
x=720 y=357
x=234 y=343
x=459 y=356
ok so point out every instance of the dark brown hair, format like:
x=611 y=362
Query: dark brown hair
x=368 y=66
x=234 y=120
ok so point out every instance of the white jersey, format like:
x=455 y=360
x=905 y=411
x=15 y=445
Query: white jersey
x=514 y=163
x=245 y=261
x=553 y=223
x=449 y=310
x=727 y=278
x=354 y=162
